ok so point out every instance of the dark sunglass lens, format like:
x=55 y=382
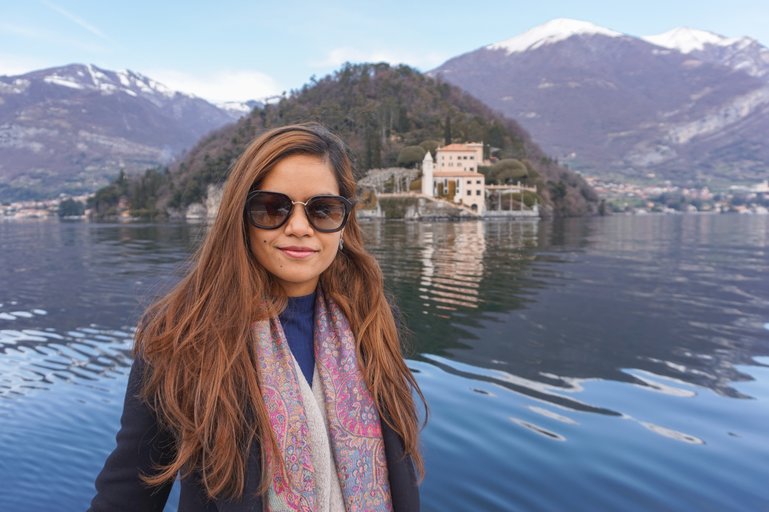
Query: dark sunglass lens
x=326 y=212
x=269 y=210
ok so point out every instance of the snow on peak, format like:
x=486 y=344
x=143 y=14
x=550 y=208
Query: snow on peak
x=62 y=81
x=239 y=107
x=551 y=32
x=687 y=40
x=91 y=77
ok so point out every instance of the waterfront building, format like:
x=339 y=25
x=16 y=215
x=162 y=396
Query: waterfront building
x=454 y=175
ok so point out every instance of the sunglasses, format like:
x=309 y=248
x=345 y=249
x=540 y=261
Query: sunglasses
x=270 y=210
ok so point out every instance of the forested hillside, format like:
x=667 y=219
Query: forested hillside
x=378 y=110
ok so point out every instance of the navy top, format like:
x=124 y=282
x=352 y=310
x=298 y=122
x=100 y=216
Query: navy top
x=298 y=321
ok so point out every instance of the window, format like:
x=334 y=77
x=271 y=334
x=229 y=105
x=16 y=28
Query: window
x=477 y=182
x=469 y=192
x=477 y=192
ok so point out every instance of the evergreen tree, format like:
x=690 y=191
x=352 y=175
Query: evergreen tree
x=71 y=208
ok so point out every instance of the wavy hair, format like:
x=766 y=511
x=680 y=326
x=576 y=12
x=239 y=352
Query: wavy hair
x=198 y=344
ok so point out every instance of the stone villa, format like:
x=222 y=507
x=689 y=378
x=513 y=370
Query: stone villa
x=454 y=175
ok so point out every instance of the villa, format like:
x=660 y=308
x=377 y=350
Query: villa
x=454 y=176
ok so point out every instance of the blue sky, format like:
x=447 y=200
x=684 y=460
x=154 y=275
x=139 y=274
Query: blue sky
x=235 y=50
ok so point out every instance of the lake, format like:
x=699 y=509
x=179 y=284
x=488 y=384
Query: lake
x=612 y=364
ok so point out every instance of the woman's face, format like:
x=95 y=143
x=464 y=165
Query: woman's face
x=295 y=253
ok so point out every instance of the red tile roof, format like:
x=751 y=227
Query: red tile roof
x=457 y=147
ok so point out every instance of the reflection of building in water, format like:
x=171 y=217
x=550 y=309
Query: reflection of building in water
x=452 y=264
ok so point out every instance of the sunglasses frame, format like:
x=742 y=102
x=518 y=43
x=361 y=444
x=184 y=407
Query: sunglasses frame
x=348 y=206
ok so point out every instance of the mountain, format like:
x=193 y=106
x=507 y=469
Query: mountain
x=73 y=128
x=741 y=54
x=686 y=106
x=239 y=108
x=378 y=110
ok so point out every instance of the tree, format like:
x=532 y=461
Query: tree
x=557 y=189
x=378 y=110
x=71 y=208
x=404 y=124
x=431 y=146
x=495 y=135
x=508 y=170
x=145 y=192
x=410 y=156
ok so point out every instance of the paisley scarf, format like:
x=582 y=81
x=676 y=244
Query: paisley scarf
x=353 y=421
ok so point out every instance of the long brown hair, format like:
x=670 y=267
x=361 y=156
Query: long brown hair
x=198 y=345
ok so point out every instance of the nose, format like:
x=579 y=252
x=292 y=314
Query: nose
x=298 y=224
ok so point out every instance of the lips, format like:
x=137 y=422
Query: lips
x=297 y=252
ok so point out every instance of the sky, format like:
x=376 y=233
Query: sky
x=234 y=50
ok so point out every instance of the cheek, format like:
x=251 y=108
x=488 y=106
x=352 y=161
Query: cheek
x=330 y=248
x=258 y=245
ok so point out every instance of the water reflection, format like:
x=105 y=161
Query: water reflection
x=611 y=356
x=452 y=267
x=499 y=296
x=538 y=301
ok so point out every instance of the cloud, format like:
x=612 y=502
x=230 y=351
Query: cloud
x=339 y=56
x=76 y=19
x=227 y=85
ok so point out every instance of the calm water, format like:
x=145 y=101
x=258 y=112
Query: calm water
x=616 y=364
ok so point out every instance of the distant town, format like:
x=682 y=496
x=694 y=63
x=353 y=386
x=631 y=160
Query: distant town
x=669 y=198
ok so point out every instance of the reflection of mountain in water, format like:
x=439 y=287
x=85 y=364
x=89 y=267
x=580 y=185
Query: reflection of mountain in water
x=622 y=299
x=436 y=272
x=540 y=306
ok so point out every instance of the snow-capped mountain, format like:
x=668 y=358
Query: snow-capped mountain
x=551 y=32
x=239 y=109
x=687 y=105
x=73 y=128
x=89 y=77
x=739 y=53
x=687 y=40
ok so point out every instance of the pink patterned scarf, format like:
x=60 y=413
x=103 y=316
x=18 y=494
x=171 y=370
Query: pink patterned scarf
x=353 y=420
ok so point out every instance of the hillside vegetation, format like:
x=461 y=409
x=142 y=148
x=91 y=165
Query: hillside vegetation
x=379 y=111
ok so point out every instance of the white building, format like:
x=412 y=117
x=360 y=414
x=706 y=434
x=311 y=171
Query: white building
x=456 y=176
x=465 y=157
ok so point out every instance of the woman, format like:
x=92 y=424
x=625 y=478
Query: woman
x=271 y=377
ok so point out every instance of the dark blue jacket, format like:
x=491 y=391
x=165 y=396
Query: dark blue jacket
x=142 y=443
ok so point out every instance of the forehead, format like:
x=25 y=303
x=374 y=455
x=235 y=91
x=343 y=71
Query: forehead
x=301 y=176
